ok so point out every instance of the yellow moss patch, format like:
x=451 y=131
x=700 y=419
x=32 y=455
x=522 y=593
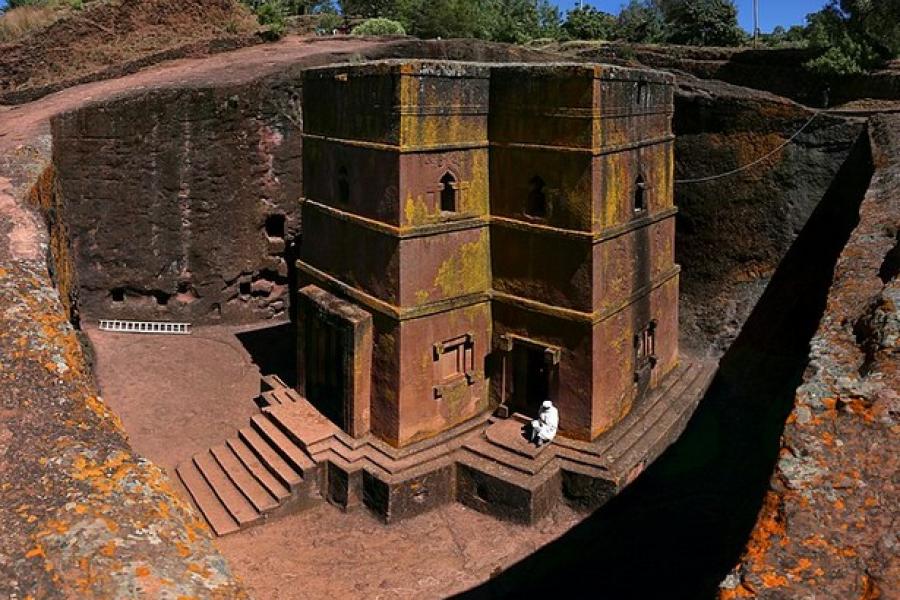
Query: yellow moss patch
x=465 y=272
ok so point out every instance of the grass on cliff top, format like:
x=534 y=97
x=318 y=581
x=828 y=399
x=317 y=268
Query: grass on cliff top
x=16 y=23
x=19 y=22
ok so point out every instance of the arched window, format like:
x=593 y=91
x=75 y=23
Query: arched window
x=343 y=186
x=640 y=195
x=449 y=193
x=537 y=199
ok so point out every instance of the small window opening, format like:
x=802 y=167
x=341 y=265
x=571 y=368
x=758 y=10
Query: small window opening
x=162 y=298
x=645 y=346
x=640 y=195
x=641 y=94
x=117 y=294
x=343 y=186
x=537 y=199
x=449 y=193
x=275 y=226
x=245 y=288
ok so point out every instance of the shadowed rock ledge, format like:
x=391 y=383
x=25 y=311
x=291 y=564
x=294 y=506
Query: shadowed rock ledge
x=827 y=524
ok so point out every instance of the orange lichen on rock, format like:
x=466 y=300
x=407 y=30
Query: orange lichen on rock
x=833 y=482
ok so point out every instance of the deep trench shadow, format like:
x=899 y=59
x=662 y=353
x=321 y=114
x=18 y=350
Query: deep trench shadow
x=682 y=525
x=274 y=350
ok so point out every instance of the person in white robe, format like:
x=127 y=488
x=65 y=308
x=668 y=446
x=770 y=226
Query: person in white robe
x=543 y=429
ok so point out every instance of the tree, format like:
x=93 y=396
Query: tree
x=877 y=20
x=846 y=47
x=442 y=18
x=642 y=22
x=795 y=36
x=703 y=22
x=519 y=21
x=588 y=23
x=367 y=8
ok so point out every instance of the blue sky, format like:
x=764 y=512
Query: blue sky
x=771 y=12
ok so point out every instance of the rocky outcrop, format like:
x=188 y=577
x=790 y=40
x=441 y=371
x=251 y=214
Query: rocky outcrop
x=83 y=516
x=109 y=39
x=776 y=70
x=827 y=524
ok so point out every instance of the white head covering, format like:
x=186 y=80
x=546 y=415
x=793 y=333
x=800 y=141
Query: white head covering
x=547 y=404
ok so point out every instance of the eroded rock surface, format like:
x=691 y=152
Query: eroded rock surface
x=733 y=231
x=82 y=515
x=828 y=523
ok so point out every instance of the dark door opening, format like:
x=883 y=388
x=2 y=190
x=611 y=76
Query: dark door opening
x=531 y=372
x=326 y=376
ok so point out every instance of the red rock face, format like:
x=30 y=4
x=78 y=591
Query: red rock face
x=827 y=525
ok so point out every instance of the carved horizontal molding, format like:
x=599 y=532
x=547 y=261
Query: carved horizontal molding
x=591 y=318
x=594 y=151
x=466 y=221
x=588 y=236
x=459 y=222
x=398 y=147
x=401 y=313
x=584 y=112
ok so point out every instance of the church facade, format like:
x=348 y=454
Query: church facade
x=481 y=238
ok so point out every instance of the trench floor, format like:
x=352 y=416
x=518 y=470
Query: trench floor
x=179 y=395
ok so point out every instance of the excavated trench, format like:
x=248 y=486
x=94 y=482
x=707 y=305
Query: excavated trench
x=682 y=525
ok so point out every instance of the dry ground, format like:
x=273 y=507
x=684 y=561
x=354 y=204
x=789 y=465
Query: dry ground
x=178 y=395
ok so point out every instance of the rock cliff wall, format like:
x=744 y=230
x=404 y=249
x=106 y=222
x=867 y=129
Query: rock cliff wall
x=83 y=516
x=733 y=231
x=827 y=524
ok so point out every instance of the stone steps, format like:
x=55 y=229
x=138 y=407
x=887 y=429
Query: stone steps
x=647 y=418
x=483 y=447
x=235 y=502
x=236 y=484
x=241 y=477
x=283 y=445
x=279 y=455
x=632 y=421
x=659 y=433
x=279 y=468
x=262 y=474
x=221 y=522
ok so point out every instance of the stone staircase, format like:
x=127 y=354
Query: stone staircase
x=251 y=475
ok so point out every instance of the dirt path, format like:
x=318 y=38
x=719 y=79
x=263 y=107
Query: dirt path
x=22 y=123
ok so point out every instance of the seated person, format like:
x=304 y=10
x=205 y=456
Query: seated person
x=543 y=429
